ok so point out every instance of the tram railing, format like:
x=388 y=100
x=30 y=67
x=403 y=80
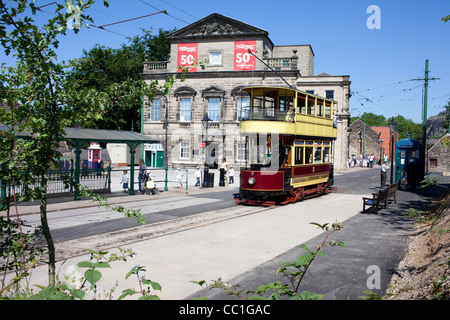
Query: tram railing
x=269 y=114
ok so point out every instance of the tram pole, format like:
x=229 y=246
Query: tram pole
x=424 y=164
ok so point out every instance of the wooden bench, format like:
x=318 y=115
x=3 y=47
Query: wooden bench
x=392 y=193
x=378 y=200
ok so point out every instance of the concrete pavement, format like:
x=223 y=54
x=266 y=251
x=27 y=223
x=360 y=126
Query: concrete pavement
x=248 y=249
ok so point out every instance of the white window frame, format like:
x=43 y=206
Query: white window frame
x=241 y=151
x=211 y=60
x=155 y=113
x=240 y=111
x=214 y=114
x=185 y=113
x=185 y=147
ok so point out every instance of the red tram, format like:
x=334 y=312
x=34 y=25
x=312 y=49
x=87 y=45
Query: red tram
x=289 y=137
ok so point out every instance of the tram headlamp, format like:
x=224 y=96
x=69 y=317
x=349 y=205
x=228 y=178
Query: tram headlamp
x=251 y=181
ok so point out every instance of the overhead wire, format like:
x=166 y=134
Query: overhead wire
x=102 y=27
x=172 y=16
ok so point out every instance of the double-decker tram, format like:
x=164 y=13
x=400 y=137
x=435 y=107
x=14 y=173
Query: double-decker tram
x=289 y=136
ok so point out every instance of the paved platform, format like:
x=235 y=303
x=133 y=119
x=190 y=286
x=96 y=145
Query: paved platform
x=247 y=250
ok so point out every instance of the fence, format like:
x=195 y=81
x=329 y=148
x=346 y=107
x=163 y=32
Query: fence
x=59 y=182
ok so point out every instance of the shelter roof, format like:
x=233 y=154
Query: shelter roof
x=107 y=136
x=97 y=135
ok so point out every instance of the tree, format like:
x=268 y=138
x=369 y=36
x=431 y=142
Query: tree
x=446 y=123
x=372 y=119
x=40 y=100
x=445 y=19
x=101 y=66
x=404 y=126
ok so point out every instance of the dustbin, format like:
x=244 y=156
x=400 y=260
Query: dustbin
x=210 y=180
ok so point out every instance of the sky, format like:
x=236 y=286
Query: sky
x=382 y=51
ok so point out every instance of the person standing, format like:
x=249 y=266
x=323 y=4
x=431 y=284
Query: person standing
x=223 y=171
x=198 y=175
x=142 y=168
x=124 y=181
x=180 y=176
x=231 y=175
x=383 y=173
x=412 y=174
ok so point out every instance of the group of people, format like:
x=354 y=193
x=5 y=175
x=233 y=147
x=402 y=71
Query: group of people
x=367 y=161
x=224 y=172
x=143 y=177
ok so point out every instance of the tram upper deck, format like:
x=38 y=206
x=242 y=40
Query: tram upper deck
x=287 y=111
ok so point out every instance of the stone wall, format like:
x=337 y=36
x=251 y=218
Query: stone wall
x=370 y=142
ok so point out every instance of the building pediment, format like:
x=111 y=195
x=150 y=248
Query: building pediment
x=217 y=26
x=213 y=92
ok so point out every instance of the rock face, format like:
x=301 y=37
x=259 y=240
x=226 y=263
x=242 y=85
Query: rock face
x=435 y=125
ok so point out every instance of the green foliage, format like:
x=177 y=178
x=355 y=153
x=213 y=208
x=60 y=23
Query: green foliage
x=404 y=126
x=101 y=67
x=82 y=286
x=42 y=99
x=429 y=181
x=419 y=216
x=103 y=202
x=370 y=295
x=445 y=19
x=445 y=121
x=293 y=271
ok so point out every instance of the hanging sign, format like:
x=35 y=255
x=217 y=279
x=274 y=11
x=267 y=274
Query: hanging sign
x=187 y=56
x=243 y=60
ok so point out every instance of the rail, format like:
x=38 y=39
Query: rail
x=60 y=182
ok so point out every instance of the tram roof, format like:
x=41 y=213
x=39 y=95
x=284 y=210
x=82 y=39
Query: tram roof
x=247 y=88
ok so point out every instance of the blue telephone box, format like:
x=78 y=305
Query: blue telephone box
x=408 y=157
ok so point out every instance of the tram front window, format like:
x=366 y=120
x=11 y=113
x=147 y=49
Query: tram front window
x=265 y=152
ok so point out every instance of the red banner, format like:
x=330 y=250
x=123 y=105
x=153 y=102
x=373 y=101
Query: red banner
x=187 y=56
x=243 y=60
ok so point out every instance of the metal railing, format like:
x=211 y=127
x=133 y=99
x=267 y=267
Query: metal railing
x=60 y=182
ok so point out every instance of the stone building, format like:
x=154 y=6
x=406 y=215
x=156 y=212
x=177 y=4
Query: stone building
x=439 y=156
x=364 y=140
x=223 y=45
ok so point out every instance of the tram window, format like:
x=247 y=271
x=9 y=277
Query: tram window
x=319 y=107
x=270 y=105
x=311 y=106
x=318 y=155
x=326 y=154
x=257 y=105
x=308 y=155
x=328 y=109
x=301 y=104
x=299 y=155
x=285 y=103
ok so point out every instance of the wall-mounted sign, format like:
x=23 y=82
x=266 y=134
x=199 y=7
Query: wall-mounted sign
x=187 y=56
x=243 y=60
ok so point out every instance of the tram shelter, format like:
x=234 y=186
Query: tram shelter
x=79 y=136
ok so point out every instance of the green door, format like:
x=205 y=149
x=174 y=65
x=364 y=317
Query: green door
x=159 y=163
x=148 y=159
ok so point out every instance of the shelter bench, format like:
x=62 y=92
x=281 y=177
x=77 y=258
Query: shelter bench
x=378 y=200
x=392 y=193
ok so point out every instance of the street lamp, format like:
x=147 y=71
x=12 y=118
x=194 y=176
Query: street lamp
x=359 y=135
x=392 y=129
x=205 y=123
